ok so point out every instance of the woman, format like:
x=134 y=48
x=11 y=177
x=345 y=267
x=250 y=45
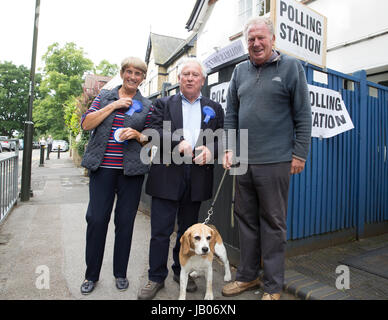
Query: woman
x=113 y=158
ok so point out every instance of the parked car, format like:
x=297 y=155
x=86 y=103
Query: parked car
x=21 y=144
x=35 y=145
x=12 y=145
x=5 y=143
x=62 y=143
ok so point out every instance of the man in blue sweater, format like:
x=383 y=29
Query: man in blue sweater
x=268 y=96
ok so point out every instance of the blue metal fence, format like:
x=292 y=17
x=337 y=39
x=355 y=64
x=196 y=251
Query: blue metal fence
x=344 y=184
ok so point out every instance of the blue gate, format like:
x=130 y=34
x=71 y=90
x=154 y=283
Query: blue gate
x=344 y=184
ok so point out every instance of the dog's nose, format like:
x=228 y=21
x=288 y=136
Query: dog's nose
x=205 y=249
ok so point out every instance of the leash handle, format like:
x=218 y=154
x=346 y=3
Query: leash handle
x=210 y=211
x=233 y=200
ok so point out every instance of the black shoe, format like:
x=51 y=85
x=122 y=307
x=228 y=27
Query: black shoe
x=88 y=286
x=191 y=286
x=122 y=284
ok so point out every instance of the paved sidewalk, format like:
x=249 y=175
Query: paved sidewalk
x=46 y=236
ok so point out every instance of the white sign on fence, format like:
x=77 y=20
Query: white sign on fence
x=300 y=31
x=218 y=93
x=329 y=114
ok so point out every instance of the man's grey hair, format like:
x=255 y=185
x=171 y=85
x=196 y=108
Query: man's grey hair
x=189 y=60
x=258 y=20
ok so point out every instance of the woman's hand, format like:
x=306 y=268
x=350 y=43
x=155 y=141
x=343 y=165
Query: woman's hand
x=129 y=133
x=94 y=119
x=122 y=103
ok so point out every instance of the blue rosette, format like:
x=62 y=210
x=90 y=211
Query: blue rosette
x=136 y=106
x=209 y=113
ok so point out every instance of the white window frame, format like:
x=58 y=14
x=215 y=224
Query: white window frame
x=249 y=8
x=266 y=7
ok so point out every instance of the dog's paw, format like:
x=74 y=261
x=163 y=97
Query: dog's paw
x=209 y=296
x=227 y=277
x=182 y=298
x=194 y=274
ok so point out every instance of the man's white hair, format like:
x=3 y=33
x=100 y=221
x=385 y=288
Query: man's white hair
x=258 y=20
x=189 y=60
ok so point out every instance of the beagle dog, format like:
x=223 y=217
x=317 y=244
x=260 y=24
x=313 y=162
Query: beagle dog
x=198 y=245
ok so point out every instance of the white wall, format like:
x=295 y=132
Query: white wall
x=350 y=20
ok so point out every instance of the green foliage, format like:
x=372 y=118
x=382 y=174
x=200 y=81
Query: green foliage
x=14 y=97
x=80 y=145
x=107 y=69
x=64 y=70
x=72 y=116
x=59 y=101
x=69 y=60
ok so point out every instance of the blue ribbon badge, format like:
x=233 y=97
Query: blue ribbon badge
x=136 y=106
x=116 y=136
x=209 y=113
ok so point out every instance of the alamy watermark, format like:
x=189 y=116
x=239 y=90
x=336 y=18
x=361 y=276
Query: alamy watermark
x=43 y=280
x=164 y=140
x=343 y=280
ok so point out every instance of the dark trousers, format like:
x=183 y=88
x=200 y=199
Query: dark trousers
x=163 y=214
x=261 y=211
x=104 y=185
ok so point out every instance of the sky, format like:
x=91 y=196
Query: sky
x=105 y=29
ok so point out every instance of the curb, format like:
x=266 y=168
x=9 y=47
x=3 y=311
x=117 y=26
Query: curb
x=307 y=288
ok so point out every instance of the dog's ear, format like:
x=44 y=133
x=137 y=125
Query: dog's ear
x=212 y=240
x=185 y=242
x=215 y=238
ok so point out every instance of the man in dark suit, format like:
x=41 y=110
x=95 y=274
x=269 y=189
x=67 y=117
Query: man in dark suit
x=181 y=176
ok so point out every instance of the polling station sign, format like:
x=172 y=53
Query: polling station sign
x=218 y=93
x=300 y=31
x=329 y=114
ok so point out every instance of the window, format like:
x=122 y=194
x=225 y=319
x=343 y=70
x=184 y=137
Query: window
x=249 y=8
x=262 y=7
x=244 y=10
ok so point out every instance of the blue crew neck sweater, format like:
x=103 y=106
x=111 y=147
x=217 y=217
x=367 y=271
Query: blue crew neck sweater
x=272 y=102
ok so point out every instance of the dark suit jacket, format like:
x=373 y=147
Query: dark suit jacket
x=165 y=179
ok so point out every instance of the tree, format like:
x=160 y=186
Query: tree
x=63 y=78
x=14 y=97
x=107 y=69
x=74 y=109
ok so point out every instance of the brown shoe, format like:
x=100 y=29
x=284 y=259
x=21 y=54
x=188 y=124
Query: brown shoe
x=236 y=287
x=269 y=296
x=149 y=291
